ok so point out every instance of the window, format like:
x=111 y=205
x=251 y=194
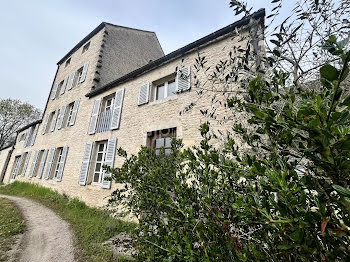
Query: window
x=164 y=90
x=21 y=137
x=86 y=47
x=15 y=169
x=108 y=105
x=59 y=89
x=68 y=62
x=79 y=73
x=59 y=161
x=70 y=113
x=105 y=116
x=99 y=160
x=161 y=138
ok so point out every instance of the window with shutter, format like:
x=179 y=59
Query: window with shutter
x=117 y=109
x=42 y=163
x=60 y=162
x=34 y=135
x=46 y=123
x=85 y=69
x=49 y=163
x=109 y=161
x=27 y=157
x=61 y=117
x=85 y=163
x=54 y=119
x=161 y=139
x=143 y=97
x=35 y=159
x=28 y=137
x=94 y=116
x=54 y=90
x=64 y=84
x=16 y=166
x=71 y=81
x=183 y=79
x=73 y=116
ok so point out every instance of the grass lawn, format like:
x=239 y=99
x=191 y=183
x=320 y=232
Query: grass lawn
x=91 y=226
x=11 y=224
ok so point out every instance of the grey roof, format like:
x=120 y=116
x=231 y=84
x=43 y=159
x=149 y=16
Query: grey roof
x=29 y=125
x=258 y=15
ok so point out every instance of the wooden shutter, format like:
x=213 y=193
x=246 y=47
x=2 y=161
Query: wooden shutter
x=42 y=164
x=54 y=118
x=50 y=162
x=61 y=117
x=109 y=161
x=143 y=97
x=54 y=90
x=71 y=81
x=117 y=108
x=94 y=116
x=74 y=112
x=85 y=69
x=45 y=124
x=62 y=163
x=34 y=135
x=183 y=79
x=86 y=163
x=35 y=159
x=26 y=164
x=63 y=87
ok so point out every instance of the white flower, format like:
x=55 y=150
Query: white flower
x=314 y=209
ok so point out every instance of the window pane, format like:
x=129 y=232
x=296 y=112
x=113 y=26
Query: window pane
x=160 y=92
x=98 y=167
x=159 y=142
x=99 y=156
x=157 y=152
x=168 y=142
x=171 y=88
x=167 y=152
x=100 y=147
x=96 y=177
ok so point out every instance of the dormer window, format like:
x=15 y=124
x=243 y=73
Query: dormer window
x=67 y=62
x=86 y=47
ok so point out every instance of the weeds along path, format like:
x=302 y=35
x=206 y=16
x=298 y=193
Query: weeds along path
x=47 y=238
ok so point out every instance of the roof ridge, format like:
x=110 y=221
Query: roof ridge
x=127 y=27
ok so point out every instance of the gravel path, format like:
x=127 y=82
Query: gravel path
x=48 y=238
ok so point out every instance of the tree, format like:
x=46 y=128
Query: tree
x=283 y=197
x=14 y=114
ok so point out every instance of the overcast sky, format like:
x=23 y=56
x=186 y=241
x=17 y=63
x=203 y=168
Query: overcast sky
x=36 y=34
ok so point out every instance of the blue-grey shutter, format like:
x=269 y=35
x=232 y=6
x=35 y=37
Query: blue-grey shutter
x=26 y=164
x=85 y=163
x=109 y=161
x=62 y=164
x=183 y=79
x=143 y=97
x=117 y=108
x=54 y=90
x=35 y=159
x=34 y=135
x=45 y=124
x=63 y=87
x=74 y=112
x=94 y=116
x=85 y=69
x=42 y=164
x=54 y=119
x=61 y=117
x=50 y=163
x=71 y=81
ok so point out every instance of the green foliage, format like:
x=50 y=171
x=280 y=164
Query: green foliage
x=11 y=224
x=91 y=226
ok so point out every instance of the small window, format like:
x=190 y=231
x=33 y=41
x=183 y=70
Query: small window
x=86 y=47
x=16 y=167
x=161 y=138
x=100 y=156
x=67 y=62
x=79 y=73
x=58 y=162
x=69 y=115
x=21 y=137
x=164 y=90
x=59 y=89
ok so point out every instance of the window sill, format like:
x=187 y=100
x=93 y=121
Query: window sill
x=164 y=100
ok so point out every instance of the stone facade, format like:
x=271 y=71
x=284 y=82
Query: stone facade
x=135 y=122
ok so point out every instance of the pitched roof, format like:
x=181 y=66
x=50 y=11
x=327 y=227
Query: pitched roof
x=91 y=34
x=258 y=15
x=29 y=125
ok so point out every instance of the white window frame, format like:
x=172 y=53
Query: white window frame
x=59 y=162
x=100 y=172
x=71 y=107
x=110 y=107
x=16 y=167
x=166 y=84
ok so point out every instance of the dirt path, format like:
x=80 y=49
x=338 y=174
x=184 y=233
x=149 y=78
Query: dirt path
x=47 y=238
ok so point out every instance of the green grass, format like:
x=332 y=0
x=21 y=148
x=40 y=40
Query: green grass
x=11 y=224
x=91 y=226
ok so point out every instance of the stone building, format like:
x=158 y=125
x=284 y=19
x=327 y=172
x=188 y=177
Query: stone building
x=115 y=88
